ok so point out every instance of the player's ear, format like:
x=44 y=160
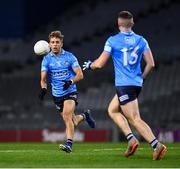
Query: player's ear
x=62 y=44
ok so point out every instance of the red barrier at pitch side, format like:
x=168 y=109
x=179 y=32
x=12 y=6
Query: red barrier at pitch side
x=53 y=136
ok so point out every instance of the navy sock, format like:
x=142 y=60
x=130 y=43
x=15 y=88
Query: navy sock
x=129 y=136
x=69 y=142
x=154 y=144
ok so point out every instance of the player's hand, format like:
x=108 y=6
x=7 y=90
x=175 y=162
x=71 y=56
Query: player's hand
x=66 y=84
x=87 y=65
x=42 y=93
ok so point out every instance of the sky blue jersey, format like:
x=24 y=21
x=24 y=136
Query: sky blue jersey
x=60 y=68
x=126 y=49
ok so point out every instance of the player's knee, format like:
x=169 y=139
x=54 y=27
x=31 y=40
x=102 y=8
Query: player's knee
x=110 y=112
x=135 y=120
x=66 y=116
x=75 y=122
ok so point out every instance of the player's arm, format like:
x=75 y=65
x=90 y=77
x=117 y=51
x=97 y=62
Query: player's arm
x=78 y=76
x=43 y=81
x=99 y=63
x=43 y=84
x=148 y=57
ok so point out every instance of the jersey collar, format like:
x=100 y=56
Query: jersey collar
x=127 y=33
x=62 y=53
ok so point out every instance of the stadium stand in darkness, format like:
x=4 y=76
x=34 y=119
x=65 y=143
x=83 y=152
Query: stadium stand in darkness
x=86 y=26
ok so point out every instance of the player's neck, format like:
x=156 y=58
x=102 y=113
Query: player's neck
x=57 y=54
x=124 y=29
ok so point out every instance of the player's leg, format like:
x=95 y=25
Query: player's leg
x=114 y=112
x=131 y=112
x=67 y=115
x=59 y=102
x=85 y=116
x=77 y=119
x=116 y=115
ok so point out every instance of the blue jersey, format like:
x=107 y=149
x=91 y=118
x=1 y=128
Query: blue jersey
x=126 y=49
x=60 y=68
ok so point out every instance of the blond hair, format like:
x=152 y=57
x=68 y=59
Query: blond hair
x=56 y=34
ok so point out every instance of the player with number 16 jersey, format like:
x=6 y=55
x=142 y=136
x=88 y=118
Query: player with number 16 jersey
x=126 y=49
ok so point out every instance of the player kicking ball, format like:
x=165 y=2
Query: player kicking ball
x=62 y=70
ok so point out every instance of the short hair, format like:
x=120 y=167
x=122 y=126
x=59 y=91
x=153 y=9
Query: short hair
x=56 y=34
x=127 y=17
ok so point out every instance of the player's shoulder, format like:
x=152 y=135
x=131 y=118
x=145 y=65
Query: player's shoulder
x=140 y=37
x=112 y=38
x=67 y=53
x=47 y=56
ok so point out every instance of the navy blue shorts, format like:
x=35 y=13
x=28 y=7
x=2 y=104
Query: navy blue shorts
x=59 y=101
x=127 y=93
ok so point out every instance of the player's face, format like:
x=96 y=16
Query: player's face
x=55 y=45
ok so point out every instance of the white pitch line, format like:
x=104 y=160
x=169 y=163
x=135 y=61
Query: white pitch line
x=21 y=151
x=117 y=149
x=100 y=149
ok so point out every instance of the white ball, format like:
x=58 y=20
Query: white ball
x=41 y=47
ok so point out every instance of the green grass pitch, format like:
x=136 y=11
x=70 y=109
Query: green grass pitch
x=84 y=155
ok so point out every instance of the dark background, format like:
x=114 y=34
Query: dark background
x=86 y=26
x=19 y=17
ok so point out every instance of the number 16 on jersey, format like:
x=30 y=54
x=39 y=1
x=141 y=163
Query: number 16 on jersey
x=130 y=56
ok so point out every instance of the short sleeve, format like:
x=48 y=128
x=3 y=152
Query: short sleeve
x=145 y=45
x=74 y=61
x=44 y=65
x=107 y=47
